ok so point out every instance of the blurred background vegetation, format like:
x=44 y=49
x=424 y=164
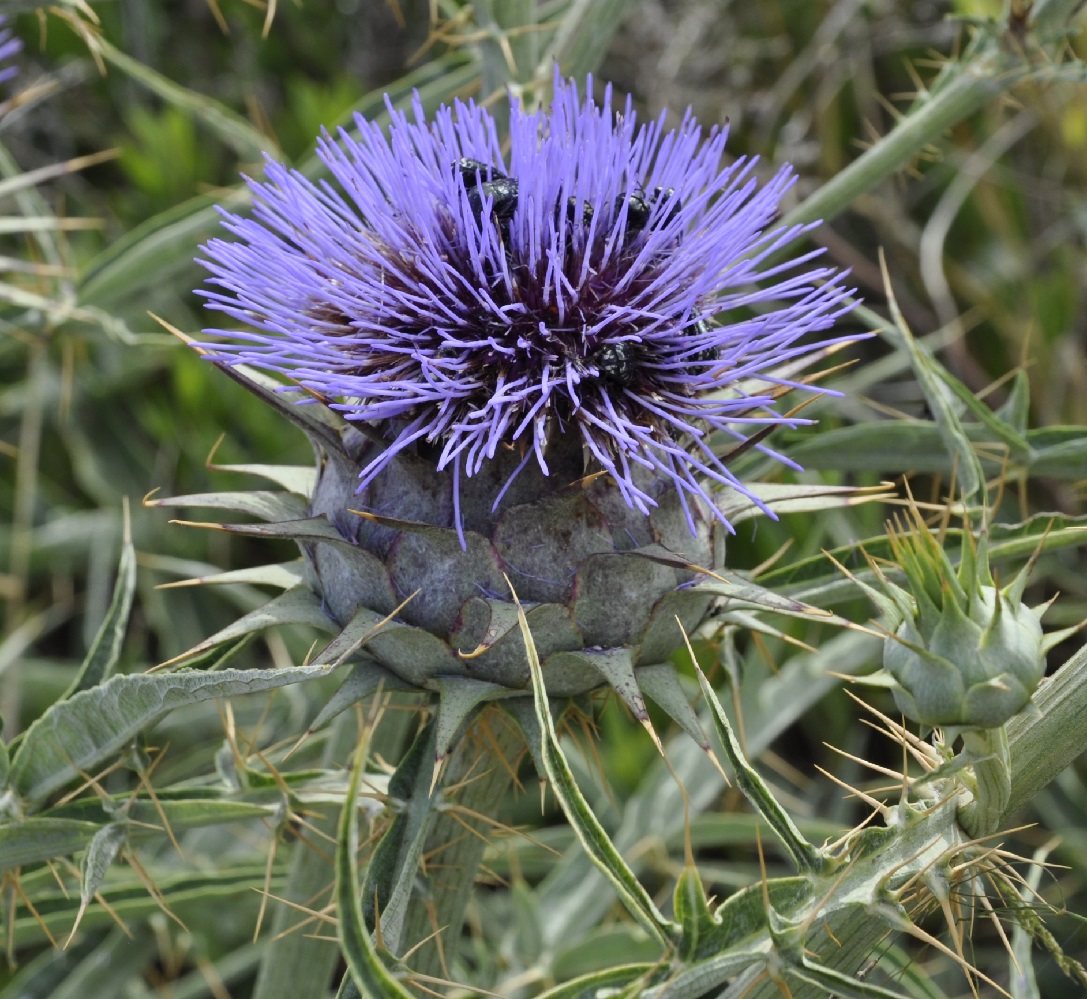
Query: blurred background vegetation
x=985 y=236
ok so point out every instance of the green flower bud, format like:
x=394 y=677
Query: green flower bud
x=976 y=668
x=963 y=652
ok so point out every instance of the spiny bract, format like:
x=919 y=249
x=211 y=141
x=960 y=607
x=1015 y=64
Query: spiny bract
x=544 y=358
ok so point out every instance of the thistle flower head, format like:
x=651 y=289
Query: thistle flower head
x=601 y=278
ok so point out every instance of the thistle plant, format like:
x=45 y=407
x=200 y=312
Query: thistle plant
x=583 y=409
x=522 y=374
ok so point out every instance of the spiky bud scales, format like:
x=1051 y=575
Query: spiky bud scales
x=965 y=653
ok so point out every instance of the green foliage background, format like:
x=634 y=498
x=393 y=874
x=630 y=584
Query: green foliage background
x=984 y=233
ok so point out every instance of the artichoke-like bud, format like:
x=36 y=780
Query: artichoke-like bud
x=605 y=585
x=965 y=653
x=525 y=367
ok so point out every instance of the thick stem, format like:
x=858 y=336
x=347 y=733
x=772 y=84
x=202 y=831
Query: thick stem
x=966 y=86
x=1043 y=744
x=299 y=963
x=477 y=776
x=992 y=777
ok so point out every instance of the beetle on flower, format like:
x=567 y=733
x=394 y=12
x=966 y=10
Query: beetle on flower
x=439 y=291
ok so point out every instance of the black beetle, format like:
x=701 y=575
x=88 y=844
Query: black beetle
x=501 y=189
x=640 y=207
x=617 y=363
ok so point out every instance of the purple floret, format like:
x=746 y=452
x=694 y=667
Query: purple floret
x=600 y=279
x=10 y=47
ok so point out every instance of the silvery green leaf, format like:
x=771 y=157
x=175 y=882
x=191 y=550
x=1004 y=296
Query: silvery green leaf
x=41 y=838
x=99 y=858
x=285 y=576
x=298 y=605
x=805 y=856
x=297 y=479
x=609 y=982
x=369 y=972
x=837 y=984
x=78 y=735
x=580 y=815
x=263 y=503
x=106 y=648
x=390 y=875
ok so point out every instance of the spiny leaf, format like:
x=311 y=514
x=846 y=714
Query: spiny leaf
x=367 y=969
x=105 y=650
x=796 y=498
x=99 y=858
x=284 y=575
x=267 y=504
x=390 y=875
x=233 y=886
x=41 y=838
x=296 y=606
x=740 y=968
x=693 y=912
x=78 y=735
x=608 y=982
x=297 y=479
x=805 y=856
x=589 y=831
x=743 y=592
x=835 y=983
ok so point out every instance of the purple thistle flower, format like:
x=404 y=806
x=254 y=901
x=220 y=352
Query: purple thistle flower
x=600 y=279
x=10 y=47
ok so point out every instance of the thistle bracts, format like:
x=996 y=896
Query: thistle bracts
x=431 y=612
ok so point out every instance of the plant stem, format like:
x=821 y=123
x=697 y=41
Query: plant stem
x=481 y=771
x=1042 y=745
x=992 y=779
x=963 y=88
x=298 y=963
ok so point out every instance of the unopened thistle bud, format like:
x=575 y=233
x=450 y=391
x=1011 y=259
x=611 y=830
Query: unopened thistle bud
x=965 y=653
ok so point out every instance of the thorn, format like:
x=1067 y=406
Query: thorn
x=717 y=765
x=647 y=724
x=475 y=653
x=436 y=772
